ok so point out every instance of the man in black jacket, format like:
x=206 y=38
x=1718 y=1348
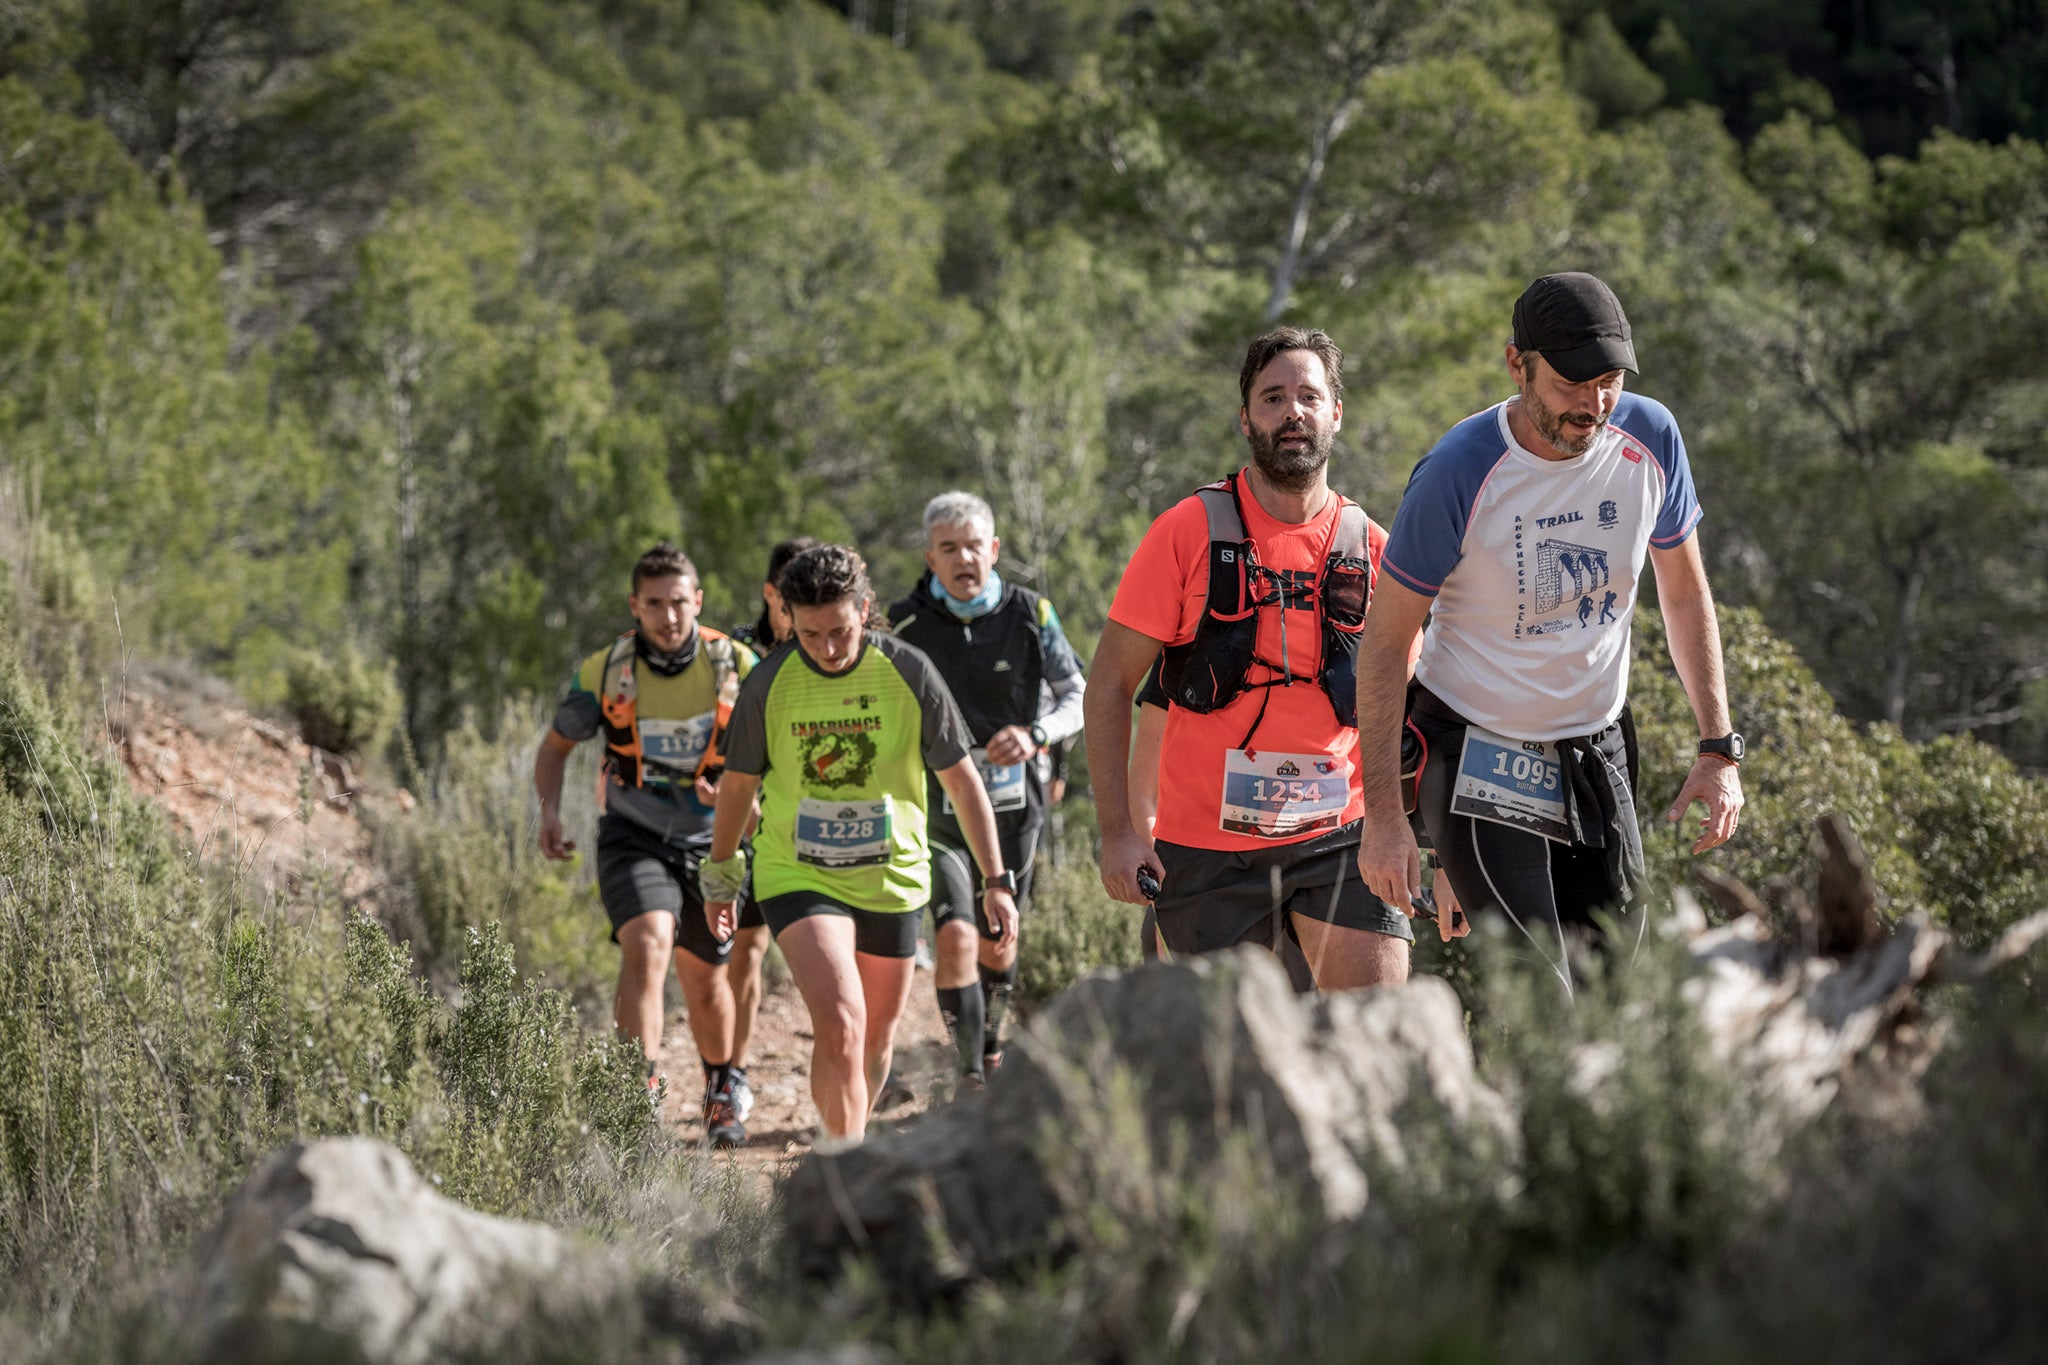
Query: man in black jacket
x=994 y=643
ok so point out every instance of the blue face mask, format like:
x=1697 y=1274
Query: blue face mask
x=981 y=604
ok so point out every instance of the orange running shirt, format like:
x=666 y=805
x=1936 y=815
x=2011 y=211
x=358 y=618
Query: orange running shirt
x=1163 y=592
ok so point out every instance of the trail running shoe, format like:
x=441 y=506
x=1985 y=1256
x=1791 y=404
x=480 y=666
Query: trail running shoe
x=991 y=1063
x=894 y=1095
x=722 y=1126
x=742 y=1096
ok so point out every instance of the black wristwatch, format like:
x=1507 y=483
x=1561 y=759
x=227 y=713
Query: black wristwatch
x=1038 y=734
x=1730 y=748
x=1006 y=880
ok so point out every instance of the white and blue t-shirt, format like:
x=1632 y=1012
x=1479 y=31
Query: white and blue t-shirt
x=1534 y=565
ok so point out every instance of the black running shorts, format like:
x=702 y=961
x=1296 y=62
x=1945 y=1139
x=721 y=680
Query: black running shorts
x=638 y=871
x=956 y=882
x=878 y=933
x=1213 y=899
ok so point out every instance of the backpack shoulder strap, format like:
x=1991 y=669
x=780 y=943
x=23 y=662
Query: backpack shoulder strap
x=718 y=648
x=618 y=704
x=1352 y=529
x=617 y=678
x=1219 y=500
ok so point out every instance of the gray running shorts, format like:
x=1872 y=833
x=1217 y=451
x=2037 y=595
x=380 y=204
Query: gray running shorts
x=956 y=883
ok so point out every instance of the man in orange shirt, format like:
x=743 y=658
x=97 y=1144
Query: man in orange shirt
x=1254 y=590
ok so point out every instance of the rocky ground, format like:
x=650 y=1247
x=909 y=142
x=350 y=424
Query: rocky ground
x=250 y=793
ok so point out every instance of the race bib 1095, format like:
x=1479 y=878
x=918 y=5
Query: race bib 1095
x=1514 y=782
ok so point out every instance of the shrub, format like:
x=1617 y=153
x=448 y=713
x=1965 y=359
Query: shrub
x=1950 y=827
x=343 y=702
x=162 y=1030
x=469 y=855
x=1071 y=926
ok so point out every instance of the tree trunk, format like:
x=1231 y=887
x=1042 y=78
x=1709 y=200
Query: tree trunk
x=400 y=376
x=1905 y=623
x=1304 y=204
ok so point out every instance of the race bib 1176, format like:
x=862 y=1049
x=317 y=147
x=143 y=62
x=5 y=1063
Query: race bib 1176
x=1004 y=783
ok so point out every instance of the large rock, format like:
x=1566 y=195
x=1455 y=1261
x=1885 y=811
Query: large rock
x=342 y=1236
x=1219 y=1048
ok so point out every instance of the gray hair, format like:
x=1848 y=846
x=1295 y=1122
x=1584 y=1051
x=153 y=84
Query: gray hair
x=957 y=508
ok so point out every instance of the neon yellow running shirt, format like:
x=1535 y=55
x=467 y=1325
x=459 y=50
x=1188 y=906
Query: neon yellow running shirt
x=842 y=760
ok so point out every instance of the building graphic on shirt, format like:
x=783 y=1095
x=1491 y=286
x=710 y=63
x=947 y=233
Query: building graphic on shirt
x=1566 y=572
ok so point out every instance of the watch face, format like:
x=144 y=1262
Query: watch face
x=1729 y=748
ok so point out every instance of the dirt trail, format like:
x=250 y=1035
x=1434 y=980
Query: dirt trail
x=251 y=793
x=784 y=1121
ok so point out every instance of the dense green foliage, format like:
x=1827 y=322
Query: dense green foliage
x=352 y=344
x=411 y=324
x=343 y=702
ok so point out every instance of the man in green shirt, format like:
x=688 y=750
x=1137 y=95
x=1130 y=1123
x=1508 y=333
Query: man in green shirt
x=658 y=695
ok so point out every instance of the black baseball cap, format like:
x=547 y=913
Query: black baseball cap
x=1574 y=321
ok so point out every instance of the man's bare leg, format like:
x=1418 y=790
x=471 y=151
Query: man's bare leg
x=743 y=969
x=707 y=996
x=646 y=942
x=1345 y=959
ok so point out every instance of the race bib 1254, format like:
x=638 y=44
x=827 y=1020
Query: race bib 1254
x=1282 y=796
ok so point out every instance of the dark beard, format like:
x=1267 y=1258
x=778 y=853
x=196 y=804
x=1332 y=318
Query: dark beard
x=1550 y=426
x=1291 y=471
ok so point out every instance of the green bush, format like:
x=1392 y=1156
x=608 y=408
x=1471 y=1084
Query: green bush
x=1071 y=926
x=1951 y=827
x=1976 y=827
x=343 y=701
x=162 y=1028
x=468 y=855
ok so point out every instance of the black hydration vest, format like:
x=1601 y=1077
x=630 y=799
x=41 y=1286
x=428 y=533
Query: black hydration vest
x=994 y=666
x=1214 y=669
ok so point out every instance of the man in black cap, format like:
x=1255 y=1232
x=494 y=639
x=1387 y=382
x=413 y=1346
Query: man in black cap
x=1521 y=538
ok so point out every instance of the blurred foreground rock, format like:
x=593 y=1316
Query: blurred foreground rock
x=1219 y=1047
x=1326 y=1087
x=342 y=1237
x=337 y=1250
